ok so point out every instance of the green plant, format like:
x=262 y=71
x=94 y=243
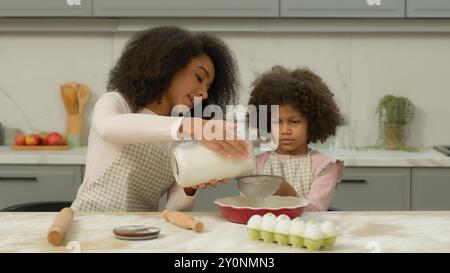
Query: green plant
x=395 y=114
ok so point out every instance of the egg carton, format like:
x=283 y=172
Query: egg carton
x=320 y=238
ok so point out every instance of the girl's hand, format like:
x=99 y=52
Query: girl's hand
x=286 y=189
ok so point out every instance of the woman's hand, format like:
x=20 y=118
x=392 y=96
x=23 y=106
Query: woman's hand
x=217 y=135
x=286 y=189
x=213 y=183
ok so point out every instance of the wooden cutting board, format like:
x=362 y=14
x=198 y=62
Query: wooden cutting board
x=39 y=147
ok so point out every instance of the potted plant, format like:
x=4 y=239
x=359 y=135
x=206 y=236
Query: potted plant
x=394 y=116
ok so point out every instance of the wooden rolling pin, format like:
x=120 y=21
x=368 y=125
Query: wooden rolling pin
x=60 y=226
x=182 y=220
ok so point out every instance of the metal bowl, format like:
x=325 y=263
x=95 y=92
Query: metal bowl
x=259 y=185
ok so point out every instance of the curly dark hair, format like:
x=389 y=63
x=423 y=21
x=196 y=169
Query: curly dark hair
x=305 y=91
x=152 y=57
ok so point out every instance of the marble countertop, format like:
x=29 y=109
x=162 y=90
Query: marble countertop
x=352 y=158
x=360 y=232
x=73 y=156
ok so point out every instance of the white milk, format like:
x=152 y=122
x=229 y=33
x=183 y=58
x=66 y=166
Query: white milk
x=193 y=163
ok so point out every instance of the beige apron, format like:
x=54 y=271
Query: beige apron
x=134 y=181
x=296 y=171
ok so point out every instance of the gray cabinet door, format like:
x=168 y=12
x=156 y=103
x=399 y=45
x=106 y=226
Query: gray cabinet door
x=45 y=8
x=373 y=189
x=21 y=184
x=343 y=8
x=186 y=8
x=428 y=8
x=430 y=189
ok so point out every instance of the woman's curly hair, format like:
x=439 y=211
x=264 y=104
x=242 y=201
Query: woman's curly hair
x=303 y=90
x=152 y=57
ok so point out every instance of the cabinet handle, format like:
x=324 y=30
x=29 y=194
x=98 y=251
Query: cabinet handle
x=353 y=181
x=73 y=2
x=18 y=179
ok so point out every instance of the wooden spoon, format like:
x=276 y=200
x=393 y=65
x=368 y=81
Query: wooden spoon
x=75 y=87
x=83 y=96
x=68 y=97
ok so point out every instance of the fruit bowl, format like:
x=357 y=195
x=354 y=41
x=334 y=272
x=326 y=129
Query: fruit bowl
x=240 y=209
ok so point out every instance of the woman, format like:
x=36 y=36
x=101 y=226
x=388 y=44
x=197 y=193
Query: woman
x=161 y=70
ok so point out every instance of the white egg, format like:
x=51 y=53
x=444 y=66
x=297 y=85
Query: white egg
x=312 y=231
x=269 y=215
x=254 y=222
x=283 y=217
x=268 y=223
x=283 y=226
x=328 y=228
x=311 y=222
x=297 y=227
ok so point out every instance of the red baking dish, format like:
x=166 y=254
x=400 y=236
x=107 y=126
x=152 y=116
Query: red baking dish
x=240 y=209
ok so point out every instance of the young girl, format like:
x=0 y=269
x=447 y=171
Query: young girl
x=307 y=114
x=128 y=159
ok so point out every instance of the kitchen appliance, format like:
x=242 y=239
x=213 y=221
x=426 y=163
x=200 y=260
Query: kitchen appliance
x=445 y=149
x=240 y=209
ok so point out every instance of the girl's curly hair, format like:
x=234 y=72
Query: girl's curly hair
x=303 y=90
x=152 y=57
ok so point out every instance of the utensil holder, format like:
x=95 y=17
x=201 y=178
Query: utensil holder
x=74 y=128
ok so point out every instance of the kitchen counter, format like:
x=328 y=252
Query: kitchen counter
x=352 y=158
x=360 y=232
x=73 y=156
x=387 y=158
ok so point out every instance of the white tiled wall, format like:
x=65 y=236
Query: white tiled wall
x=359 y=68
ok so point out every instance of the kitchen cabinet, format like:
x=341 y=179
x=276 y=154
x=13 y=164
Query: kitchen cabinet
x=45 y=8
x=428 y=8
x=186 y=8
x=430 y=189
x=372 y=189
x=343 y=8
x=38 y=183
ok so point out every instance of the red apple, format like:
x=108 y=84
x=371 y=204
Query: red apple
x=55 y=139
x=20 y=139
x=43 y=136
x=32 y=139
x=64 y=139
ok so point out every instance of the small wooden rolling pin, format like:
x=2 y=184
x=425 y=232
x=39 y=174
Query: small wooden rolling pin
x=182 y=220
x=60 y=226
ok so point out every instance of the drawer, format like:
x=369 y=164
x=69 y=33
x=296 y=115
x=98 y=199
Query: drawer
x=430 y=189
x=374 y=189
x=427 y=8
x=343 y=8
x=36 y=183
x=45 y=8
x=186 y=8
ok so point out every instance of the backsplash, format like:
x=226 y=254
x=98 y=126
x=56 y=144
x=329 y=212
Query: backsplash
x=359 y=69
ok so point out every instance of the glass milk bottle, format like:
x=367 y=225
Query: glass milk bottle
x=193 y=163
